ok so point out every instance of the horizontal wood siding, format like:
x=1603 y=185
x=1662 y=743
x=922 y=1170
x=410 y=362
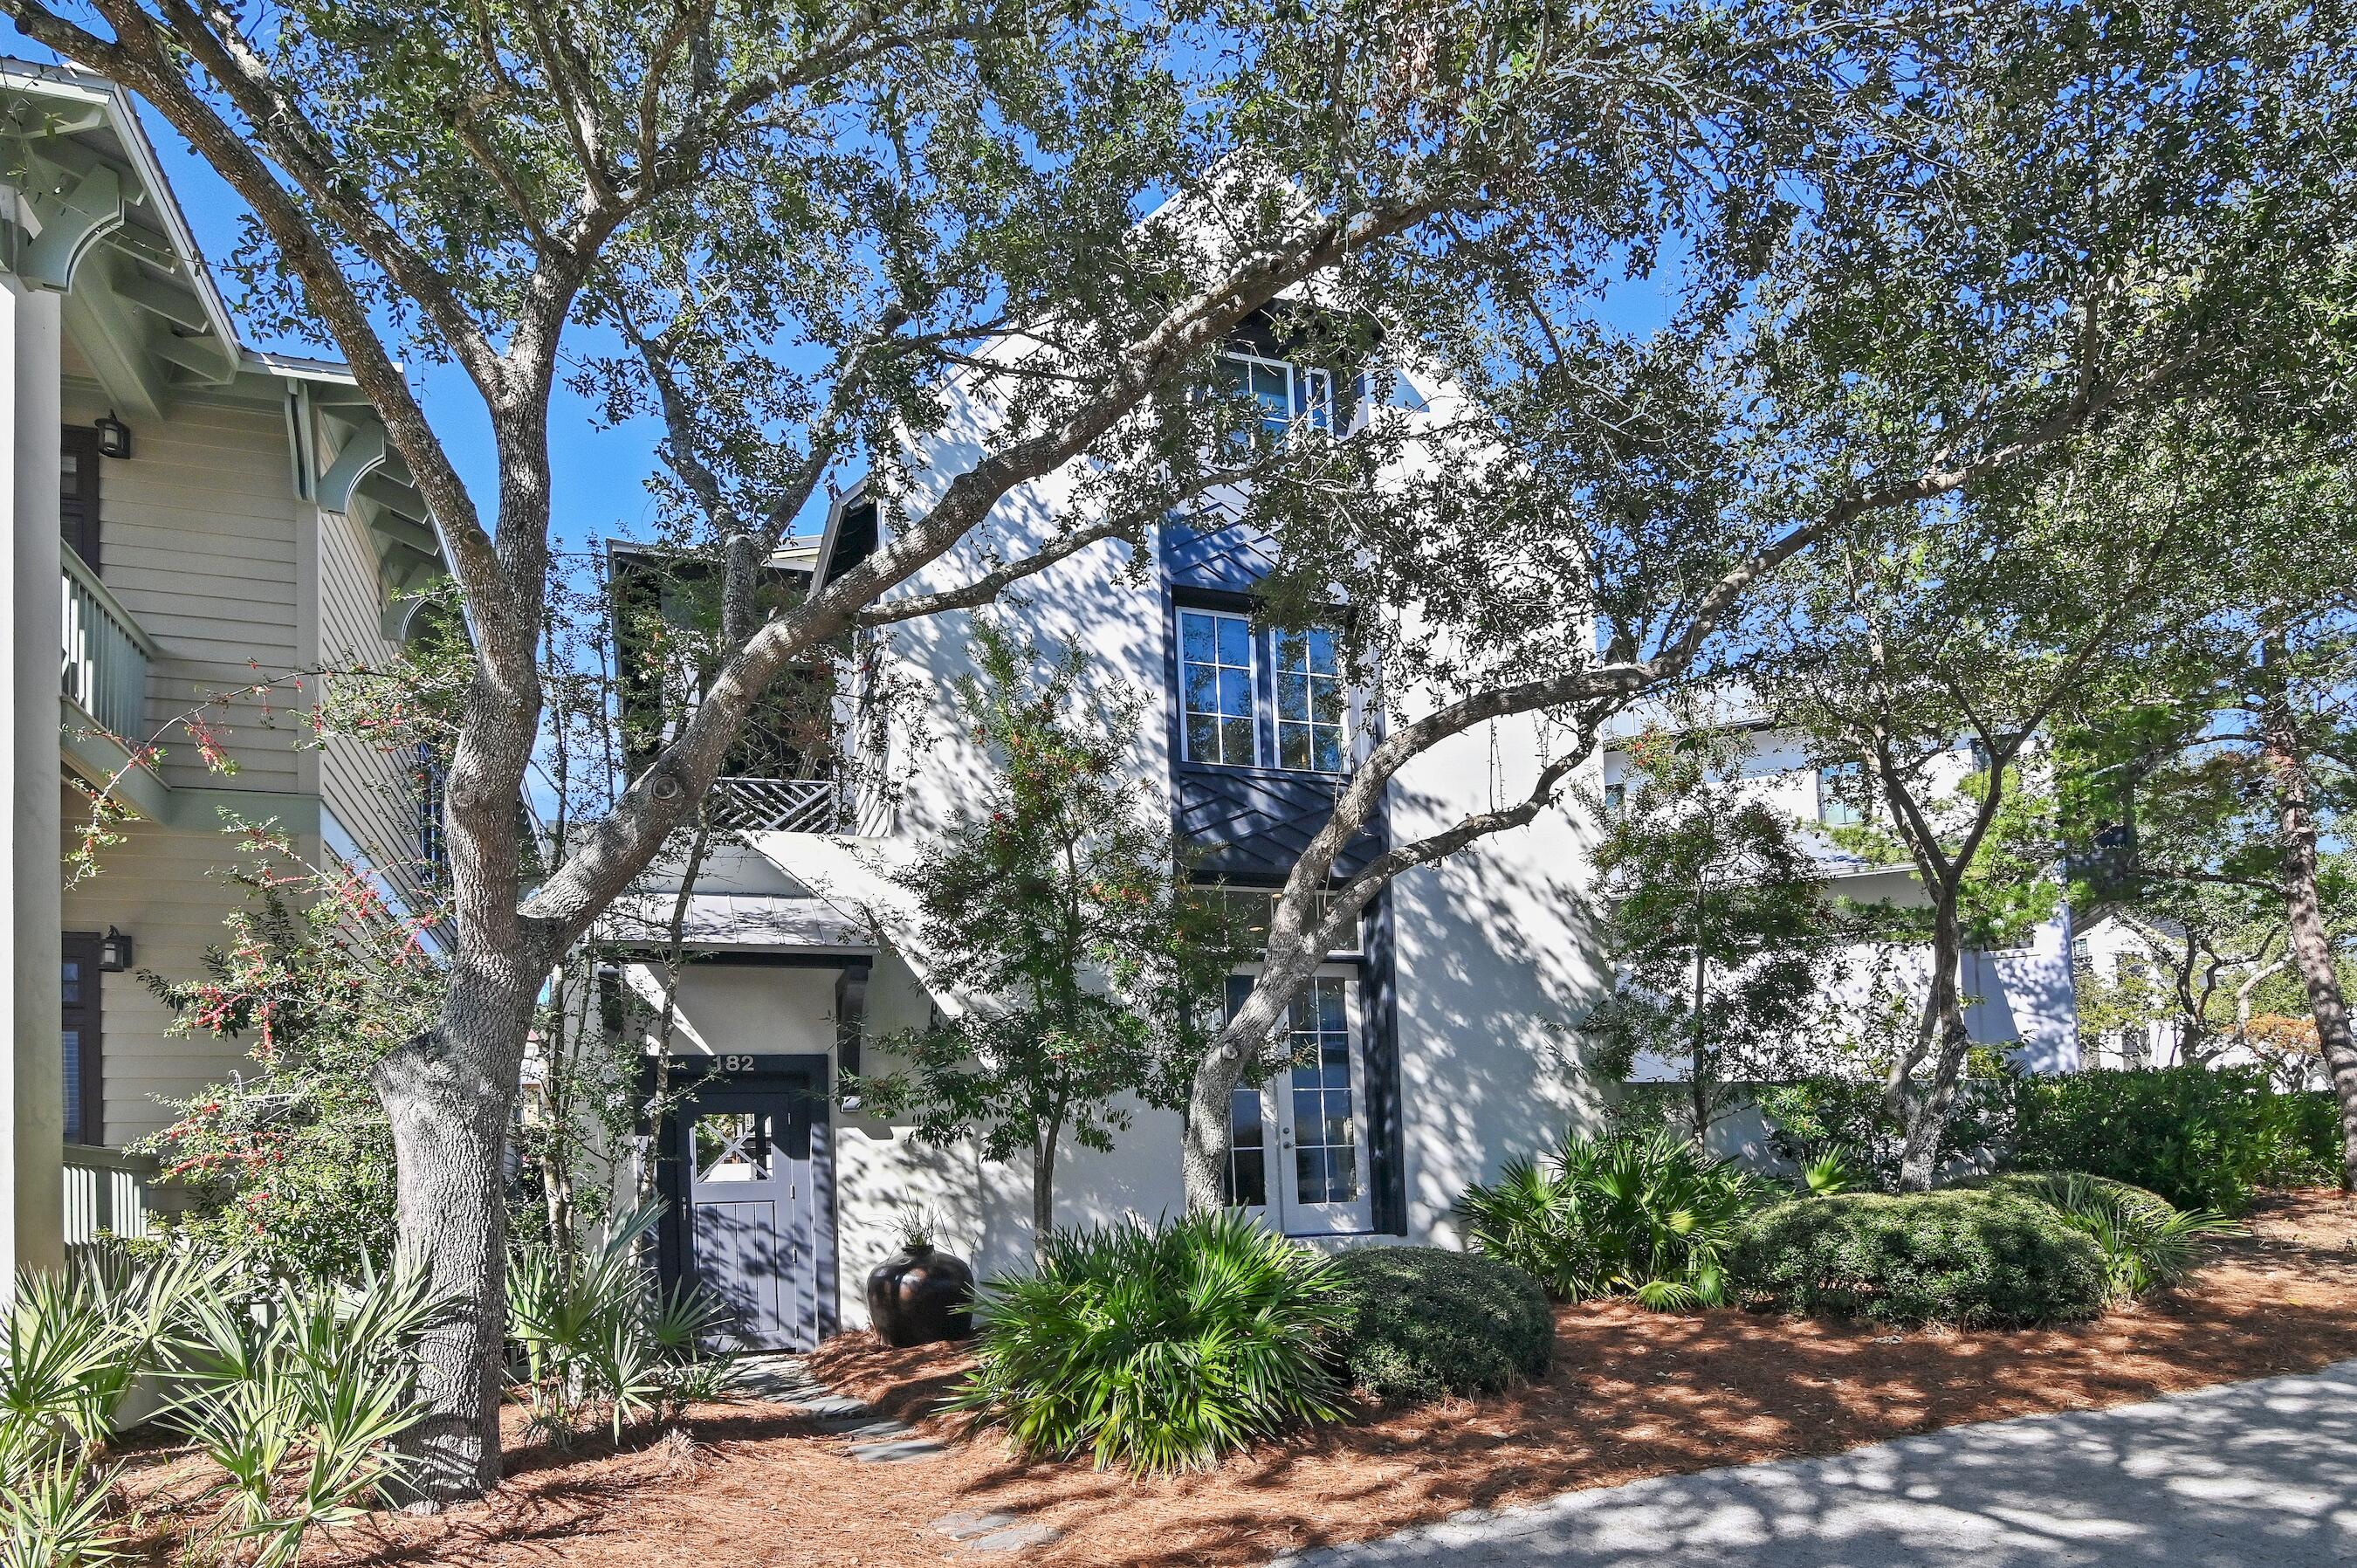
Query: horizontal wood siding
x=367 y=787
x=198 y=540
x=159 y=887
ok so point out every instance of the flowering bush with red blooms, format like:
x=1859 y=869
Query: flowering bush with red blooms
x=291 y=1165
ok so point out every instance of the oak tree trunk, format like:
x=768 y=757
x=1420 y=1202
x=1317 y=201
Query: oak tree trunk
x=2311 y=945
x=449 y=1095
x=1925 y=1108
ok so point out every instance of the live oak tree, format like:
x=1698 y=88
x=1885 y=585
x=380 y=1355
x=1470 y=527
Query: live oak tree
x=1941 y=657
x=779 y=231
x=2239 y=737
x=2032 y=221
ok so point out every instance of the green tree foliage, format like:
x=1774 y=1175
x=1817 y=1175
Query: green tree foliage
x=1719 y=920
x=2223 y=760
x=1057 y=914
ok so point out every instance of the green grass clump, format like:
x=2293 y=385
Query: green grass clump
x=1160 y=1348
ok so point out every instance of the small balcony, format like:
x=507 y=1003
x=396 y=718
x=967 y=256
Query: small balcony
x=105 y=656
x=744 y=804
x=106 y=1194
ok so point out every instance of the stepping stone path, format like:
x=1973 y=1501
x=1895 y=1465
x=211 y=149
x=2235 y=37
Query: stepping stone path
x=995 y=1533
x=880 y=1440
x=786 y=1381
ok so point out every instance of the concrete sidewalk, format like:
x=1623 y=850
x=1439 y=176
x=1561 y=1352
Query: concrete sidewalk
x=2259 y=1474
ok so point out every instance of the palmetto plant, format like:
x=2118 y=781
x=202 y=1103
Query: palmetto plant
x=1830 y=1173
x=1644 y=1215
x=53 y=1514
x=1157 y=1349
x=298 y=1402
x=2146 y=1240
x=72 y=1343
x=592 y=1327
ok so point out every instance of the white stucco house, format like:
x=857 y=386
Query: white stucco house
x=2021 y=998
x=188 y=519
x=1440 y=1040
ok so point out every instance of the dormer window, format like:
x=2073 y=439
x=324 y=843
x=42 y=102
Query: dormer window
x=1286 y=394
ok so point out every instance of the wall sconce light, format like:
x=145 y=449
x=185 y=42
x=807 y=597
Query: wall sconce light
x=113 y=952
x=114 y=436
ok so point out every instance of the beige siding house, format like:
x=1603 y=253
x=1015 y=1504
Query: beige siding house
x=197 y=528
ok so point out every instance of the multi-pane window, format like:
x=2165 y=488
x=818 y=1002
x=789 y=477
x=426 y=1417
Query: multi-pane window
x=1221 y=694
x=1284 y=392
x=1215 y=687
x=1309 y=701
x=1325 y=1130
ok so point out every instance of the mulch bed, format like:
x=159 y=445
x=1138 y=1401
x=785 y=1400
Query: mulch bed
x=1631 y=1395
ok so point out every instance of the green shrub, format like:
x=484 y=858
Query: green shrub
x=1646 y=1215
x=2146 y=1240
x=1810 y=1118
x=1971 y=1258
x=1157 y=1349
x=2309 y=1140
x=2200 y=1137
x=1421 y=1323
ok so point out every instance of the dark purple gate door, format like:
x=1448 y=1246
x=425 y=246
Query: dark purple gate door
x=752 y=1211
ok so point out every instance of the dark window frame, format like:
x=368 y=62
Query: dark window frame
x=77 y=514
x=87 y=1017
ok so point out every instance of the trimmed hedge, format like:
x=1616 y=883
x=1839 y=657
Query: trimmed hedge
x=1973 y=1258
x=1421 y=1323
x=2200 y=1137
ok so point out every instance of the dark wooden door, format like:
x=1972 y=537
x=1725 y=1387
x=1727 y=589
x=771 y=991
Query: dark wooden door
x=749 y=1232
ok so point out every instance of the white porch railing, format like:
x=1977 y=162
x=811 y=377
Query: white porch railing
x=105 y=654
x=106 y=1194
x=777 y=805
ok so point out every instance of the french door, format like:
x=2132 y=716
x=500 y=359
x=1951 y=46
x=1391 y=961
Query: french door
x=1297 y=1145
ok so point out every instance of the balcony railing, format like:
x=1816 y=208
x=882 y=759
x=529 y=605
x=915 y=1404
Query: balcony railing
x=777 y=805
x=106 y=1194
x=105 y=654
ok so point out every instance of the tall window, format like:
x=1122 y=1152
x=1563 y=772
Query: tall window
x=1841 y=794
x=1215 y=688
x=78 y=997
x=1325 y=1130
x=1308 y=700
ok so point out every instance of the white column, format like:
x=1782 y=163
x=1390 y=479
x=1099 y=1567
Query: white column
x=33 y=1125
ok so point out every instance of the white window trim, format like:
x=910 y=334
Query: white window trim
x=1346 y=721
x=1298 y=377
x=1252 y=653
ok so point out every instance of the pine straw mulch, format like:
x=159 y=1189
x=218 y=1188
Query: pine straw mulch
x=1631 y=1395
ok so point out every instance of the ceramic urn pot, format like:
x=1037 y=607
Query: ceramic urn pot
x=919 y=1294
